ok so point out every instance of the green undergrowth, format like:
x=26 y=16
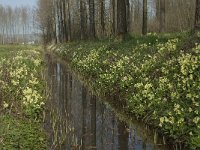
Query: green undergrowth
x=154 y=77
x=21 y=133
x=22 y=98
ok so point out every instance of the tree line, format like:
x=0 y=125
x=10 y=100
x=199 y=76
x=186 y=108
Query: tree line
x=67 y=20
x=16 y=24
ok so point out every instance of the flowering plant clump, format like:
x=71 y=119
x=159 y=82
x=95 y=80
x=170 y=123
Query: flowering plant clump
x=21 y=85
x=157 y=81
x=21 y=98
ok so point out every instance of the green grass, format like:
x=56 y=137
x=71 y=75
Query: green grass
x=20 y=133
x=8 y=50
x=155 y=78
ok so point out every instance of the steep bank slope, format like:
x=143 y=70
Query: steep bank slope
x=154 y=78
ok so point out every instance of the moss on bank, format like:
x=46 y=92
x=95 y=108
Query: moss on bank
x=152 y=77
x=21 y=98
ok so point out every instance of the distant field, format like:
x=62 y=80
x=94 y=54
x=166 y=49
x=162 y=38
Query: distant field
x=6 y=50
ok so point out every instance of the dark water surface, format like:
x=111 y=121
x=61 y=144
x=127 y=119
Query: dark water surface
x=78 y=120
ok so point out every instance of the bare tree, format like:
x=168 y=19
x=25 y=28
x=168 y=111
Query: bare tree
x=113 y=3
x=162 y=16
x=69 y=20
x=128 y=14
x=24 y=20
x=92 y=18
x=157 y=3
x=102 y=16
x=144 y=25
x=15 y=24
x=66 y=20
x=83 y=19
x=46 y=19
x=197 y=16
x=121 y=19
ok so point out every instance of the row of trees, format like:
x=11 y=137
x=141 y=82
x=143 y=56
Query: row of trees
x=66 y=20
x=16 y=24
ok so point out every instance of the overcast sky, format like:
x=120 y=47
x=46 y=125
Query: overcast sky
x=15 y=3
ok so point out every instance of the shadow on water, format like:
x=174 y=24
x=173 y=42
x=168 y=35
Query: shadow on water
x=76 y=119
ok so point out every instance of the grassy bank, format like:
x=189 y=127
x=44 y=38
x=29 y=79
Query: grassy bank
x=21 y=98
x=155 y=78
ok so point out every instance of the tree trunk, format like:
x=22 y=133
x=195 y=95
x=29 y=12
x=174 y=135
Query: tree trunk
x=157 y=3
x=69 y=21
x=128 y=15
x=59 y=17
x=65 y=36
x=162 y=16
x=92 y=19
x=113 y=17
x=121 y=19
x=83 y=20
x=54 y=22
x=102 y=7
x=197 y=16
x=144 y=26
x=62 y=21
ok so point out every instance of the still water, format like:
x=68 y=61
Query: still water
x=76 y=119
